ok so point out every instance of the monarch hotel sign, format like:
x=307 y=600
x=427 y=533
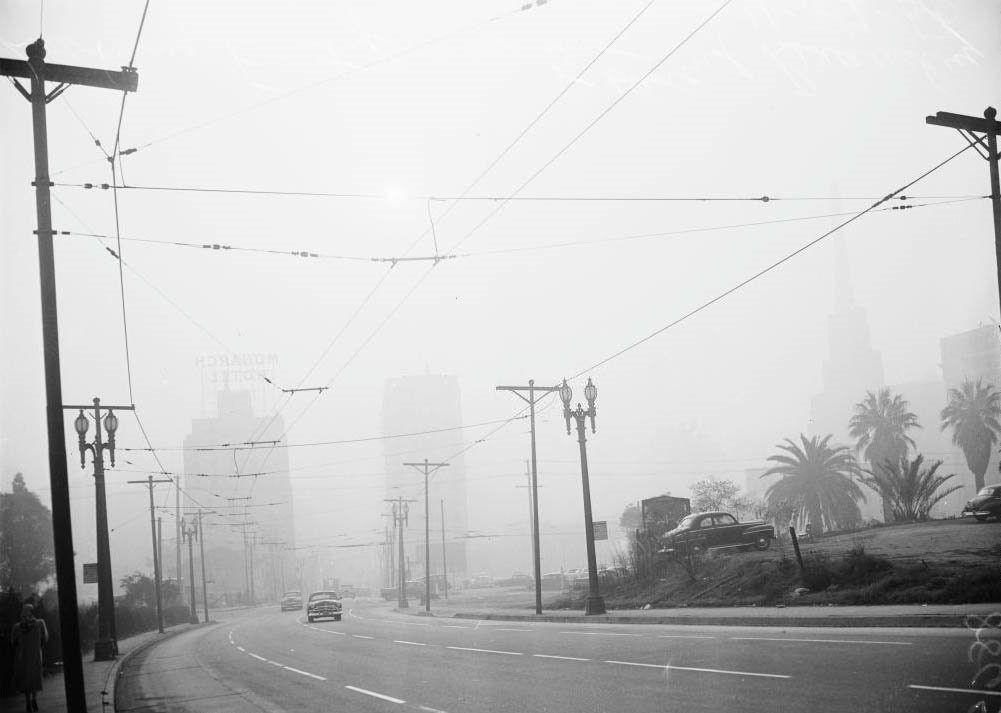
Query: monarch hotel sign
x=237 y=368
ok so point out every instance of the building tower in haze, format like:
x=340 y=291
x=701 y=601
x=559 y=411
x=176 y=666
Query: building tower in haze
x=417 y=404
x=249 y=484
x=852 y=368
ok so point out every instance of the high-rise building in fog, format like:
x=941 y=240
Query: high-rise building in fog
x=852 y=368
x=415 y=404
x=248 y=484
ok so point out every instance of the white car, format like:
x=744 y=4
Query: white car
x=323 y=604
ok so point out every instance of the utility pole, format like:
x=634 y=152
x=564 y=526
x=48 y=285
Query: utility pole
x=969 y=127
x=159 y=544
x=273 y=545
x=253 y=542
x=177 y=536
x=401 y=512
x=531 y=400
x=149 y=482
x=106 y=646
x=426 y=467
x=201 y=547
x=190 y=532
x=531 y=510
x=38 y=72
x=444 y=563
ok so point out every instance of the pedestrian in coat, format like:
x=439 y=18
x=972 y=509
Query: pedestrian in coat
x=28 y=638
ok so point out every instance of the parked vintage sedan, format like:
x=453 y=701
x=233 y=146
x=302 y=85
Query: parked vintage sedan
x=325 y=604
x=292 y=600
x=985 y=504
x=716 y=530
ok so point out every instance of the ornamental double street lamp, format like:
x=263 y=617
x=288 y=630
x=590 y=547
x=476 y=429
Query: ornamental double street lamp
x=595 y=604
x=106 y=646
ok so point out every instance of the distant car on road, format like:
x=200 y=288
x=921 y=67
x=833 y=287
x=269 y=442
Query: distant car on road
x=292 y=600
x=482 y=581
x=324 y=604
x=552 y=580
x=348 y=591
x=985 y=504
x=717 y=530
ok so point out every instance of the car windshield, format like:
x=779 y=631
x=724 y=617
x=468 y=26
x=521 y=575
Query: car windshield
x=405 y=303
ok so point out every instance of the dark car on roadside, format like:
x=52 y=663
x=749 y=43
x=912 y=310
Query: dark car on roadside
x=325 y=604
x=717 y=530
x=292 y=600
x=985 y=504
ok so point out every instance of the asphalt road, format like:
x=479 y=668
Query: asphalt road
x=377 y=660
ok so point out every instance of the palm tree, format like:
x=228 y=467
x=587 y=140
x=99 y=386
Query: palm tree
x=816 y=479
x=973 y=414
x=879 y=427
x=910 y=489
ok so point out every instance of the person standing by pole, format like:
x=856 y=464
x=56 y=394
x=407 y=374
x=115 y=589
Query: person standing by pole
x=27 y=639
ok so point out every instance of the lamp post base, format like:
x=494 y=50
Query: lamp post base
x=594 y=605
x=104 y=650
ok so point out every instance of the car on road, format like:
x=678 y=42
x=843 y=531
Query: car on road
x=324 y=604
x=717 y=530
x=552 y=580
x=482 y=581
x=348 y=591
x=291 y=600
x=985 y=504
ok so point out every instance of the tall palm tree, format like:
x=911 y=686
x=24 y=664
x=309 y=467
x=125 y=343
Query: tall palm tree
x=879 y=427
x=910 y=489
x=973 y=414
x=816 y=479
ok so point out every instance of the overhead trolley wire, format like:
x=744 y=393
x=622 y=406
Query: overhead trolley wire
x=769 y=268
x=592 y=123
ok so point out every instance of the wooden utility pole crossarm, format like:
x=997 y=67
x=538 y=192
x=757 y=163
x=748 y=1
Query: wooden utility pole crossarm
x=987 y=147
x=37 y=72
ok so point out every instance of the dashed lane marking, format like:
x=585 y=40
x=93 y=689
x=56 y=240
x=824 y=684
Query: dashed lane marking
x=408 y=643
x=598 y=633
x=361 y=636
x=240 y=648
x=503 y=629
x=259 y=658
x=457 y=626
x=485 y=651
x=945 y=689
x=429 y=709
x=669 y=667
x=375 y=695
x=564 y=658
x=684 y=636
x=305 y=673
x=821 y=641
x=275 y=663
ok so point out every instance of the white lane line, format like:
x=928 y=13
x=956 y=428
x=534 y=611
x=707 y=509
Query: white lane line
x=240 y=648
x=304 y=673
x=457 y=626
x=485 y=651
x=503 y=629
x=275 y=663
x=684 y=636
x=327 y=631
x=956 y=690
x=430 y=710
x=409 y=643
x=259 y=658
x=821 y=641
x=597 y=633
x=375 y=695
x=669 y=667
x=563 y=658
x=361 y=636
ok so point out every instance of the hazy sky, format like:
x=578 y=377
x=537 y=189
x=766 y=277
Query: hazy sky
x=399 y=101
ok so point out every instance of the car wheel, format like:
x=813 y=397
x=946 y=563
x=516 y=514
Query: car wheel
x=310 y=619
x=763 y=542
x=981 y=518
x=337 y=617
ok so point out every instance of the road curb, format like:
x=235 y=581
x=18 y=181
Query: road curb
x=111 y=682
x=886 y=621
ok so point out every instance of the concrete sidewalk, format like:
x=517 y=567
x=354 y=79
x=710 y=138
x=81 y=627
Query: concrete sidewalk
x=903 y=615
x=99 y=676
